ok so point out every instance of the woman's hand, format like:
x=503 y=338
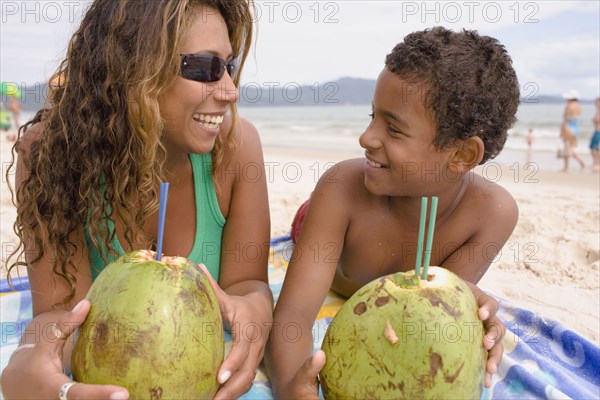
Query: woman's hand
x=249 y=324
x=494 y=328
x=37 y=372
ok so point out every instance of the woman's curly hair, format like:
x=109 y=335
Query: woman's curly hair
x=99 y=154
x=468 y=82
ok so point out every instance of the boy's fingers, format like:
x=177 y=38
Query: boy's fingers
x=486 y=304
x=494 y=332
x=311 y=367
x=494 y=358
x=318 y=360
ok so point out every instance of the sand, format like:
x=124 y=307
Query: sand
x=550 y=265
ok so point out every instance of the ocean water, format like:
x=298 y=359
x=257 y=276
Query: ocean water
x=335 y=128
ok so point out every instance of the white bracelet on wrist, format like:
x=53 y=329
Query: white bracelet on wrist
x=18 y=349
x=64 y=389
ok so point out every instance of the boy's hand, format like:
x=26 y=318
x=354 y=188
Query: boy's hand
x=305 y=384
x=494 y=329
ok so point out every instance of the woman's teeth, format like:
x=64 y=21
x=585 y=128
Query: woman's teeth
x=374 y=164
x=208 y=121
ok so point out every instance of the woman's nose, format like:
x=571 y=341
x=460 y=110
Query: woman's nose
x=225 y=89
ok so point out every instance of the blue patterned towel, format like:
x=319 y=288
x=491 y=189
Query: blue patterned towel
x=542 y=358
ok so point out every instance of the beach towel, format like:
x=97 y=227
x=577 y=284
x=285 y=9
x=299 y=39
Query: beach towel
x=542 y=358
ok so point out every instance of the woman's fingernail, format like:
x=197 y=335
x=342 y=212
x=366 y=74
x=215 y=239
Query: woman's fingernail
x=77 y=307
x=119 y=396
x=224 y=376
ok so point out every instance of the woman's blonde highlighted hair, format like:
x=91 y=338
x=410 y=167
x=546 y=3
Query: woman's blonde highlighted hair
x=99 y=154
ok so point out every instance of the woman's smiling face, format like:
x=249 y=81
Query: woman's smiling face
x=193 y=111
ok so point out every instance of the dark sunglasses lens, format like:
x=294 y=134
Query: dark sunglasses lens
x=202 y=68
x=232 y=67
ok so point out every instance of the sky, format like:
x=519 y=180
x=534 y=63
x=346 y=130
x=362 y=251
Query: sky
x=555 y=45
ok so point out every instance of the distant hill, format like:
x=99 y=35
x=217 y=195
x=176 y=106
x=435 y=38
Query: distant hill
x=343 y=91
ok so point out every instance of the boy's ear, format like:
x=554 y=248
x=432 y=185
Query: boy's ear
x=467 y=155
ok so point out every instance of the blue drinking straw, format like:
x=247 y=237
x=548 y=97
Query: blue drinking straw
x=162 y=211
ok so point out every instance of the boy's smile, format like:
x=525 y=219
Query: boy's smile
x=400 y=157
x=374 y=164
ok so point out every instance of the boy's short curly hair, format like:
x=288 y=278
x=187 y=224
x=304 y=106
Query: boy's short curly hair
x=468 y=82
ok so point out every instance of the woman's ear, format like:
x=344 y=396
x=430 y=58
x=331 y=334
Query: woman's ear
x=468 y=154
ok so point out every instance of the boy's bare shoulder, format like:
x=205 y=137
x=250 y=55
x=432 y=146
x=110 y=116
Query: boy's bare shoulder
x=344 y=181
x=490 y=200
x=346 y=176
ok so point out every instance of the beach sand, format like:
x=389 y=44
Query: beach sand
x=550 y=265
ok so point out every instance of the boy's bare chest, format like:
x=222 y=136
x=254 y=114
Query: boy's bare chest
x=373 y=249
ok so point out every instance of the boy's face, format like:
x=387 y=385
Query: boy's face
x=401 y=158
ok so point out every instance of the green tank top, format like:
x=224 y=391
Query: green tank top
x=209 y=224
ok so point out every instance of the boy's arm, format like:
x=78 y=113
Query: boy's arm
x=307 y=282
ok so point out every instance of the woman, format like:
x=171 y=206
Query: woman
x=570 y=128
x=146 y=94
x=595 y=140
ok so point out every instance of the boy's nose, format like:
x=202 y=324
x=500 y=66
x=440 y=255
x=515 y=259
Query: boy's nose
x=369 y=139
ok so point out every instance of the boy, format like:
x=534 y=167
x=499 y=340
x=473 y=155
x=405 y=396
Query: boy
x=442 y=105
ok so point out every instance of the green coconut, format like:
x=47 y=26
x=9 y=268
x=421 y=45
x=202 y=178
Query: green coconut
x=400 y=337
x=154 y=327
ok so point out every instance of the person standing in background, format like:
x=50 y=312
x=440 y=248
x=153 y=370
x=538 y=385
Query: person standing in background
x=14 y=106
x=529 y=144
x=570 y=128
x=595 y=141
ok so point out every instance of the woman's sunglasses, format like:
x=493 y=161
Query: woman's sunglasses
x=206 y=67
